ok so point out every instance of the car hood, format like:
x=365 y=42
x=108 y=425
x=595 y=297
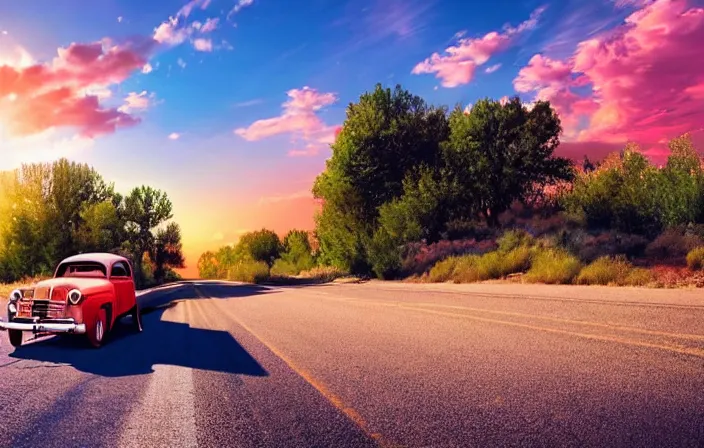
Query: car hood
x=85 y=285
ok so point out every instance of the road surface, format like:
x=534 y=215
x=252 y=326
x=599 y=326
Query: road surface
x=376 y=364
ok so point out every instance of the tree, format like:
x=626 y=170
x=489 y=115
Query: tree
x=385 y=135
x=208 y=266
x=499 y=152
x=296 y=251
x=167 y=252
x=145 y=209
x=261 y=245
x=102 y=229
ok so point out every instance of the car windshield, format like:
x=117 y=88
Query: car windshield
x=82 y=269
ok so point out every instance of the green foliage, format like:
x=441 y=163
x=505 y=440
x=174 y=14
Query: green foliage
x=695 y=259
x=297 y=254
x=53 y=210
x=553 y=266
x=472 y=268
x=443 y=270
x=249 y=271
x=261 y=245
x=385 y=136
x=498 y=153
x=629 y=194
x=402 y=171
x=605 y=271
x=513 y=239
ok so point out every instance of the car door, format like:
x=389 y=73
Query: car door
x=122 y=280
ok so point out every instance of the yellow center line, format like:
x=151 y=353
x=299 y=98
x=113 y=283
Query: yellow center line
x=673 y=348
x=617 y=327
x=336 y=401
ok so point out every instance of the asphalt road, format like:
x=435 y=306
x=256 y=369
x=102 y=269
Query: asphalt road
x=376 y=364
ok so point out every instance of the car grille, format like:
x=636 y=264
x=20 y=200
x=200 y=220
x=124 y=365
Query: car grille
x=45 y=309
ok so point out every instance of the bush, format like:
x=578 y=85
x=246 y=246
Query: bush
x=553 y=266
x=443 y=270
x=324 y=273
x=513 y=239
x=604 y=271
x=639 y=277
x=466 y=270
x=695 y=259
x=283 y=268
x=418 y=258
x=673 y=244
x=249 y=271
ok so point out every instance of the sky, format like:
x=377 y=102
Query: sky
x=230 y=105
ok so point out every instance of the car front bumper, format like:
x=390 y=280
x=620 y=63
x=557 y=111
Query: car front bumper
x=36 y=325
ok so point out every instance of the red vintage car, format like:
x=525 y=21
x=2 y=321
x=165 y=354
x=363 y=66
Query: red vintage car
x=88 y=295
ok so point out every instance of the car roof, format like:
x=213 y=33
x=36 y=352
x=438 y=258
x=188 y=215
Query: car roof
x=104 y=258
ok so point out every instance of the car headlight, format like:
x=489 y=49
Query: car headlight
x=15 y=295
x=74 y=296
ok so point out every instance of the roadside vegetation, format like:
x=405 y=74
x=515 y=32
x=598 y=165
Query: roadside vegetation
x=50 y=211
x=424 y=193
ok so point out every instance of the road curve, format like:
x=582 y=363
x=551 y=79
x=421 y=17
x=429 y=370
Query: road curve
x=375 y=364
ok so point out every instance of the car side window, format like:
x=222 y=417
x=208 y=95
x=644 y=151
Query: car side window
x=119 y=270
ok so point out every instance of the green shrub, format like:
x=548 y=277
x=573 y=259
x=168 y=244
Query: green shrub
x=695 y=258
x=513 y=239
x=284 y=268
x=443 y=270
x=249 y=271
x=638 y=277
x=605 y=270
x=466 y=270
x=553 y=266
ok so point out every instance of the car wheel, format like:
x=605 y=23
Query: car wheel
x=137 y=319
x=15 y=337
x=96 y=335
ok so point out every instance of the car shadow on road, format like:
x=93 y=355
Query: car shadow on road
x=127 y=353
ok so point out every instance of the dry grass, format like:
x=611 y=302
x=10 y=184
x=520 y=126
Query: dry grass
x=324 y=273
x=7 y=288
x=249 y=272
x=553 y=266
x=695 y=259
x=605 y=271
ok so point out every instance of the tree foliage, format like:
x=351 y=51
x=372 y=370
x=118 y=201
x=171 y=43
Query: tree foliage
x=49 y=211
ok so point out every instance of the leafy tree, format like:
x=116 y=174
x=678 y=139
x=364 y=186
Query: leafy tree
x=209 y=267
x=261 y=245
x=145 y=209
x=297 y=251
x=499 y=152
x=102 y=228
x=167 y=253
x=385 y=136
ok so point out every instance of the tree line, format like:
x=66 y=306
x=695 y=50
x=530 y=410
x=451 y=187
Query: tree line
x=49 y=211
x=404 y=171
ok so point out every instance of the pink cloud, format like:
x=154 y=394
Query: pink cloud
x=203 y=44
x=457 y=66
x=298 y=119
x=210 y=25
x=67 y=90
x=646 y=77
x=136 y=101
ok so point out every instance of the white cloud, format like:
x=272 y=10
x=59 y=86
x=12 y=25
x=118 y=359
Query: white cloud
x=137 y=101
x=147 y=68
x=174 y=136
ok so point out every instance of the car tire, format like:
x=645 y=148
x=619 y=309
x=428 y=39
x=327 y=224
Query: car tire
x=96 y=334
x=137 y=319
x=15 y=337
